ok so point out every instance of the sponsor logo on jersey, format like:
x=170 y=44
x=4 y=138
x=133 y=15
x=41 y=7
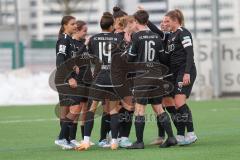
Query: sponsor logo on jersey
x=62 y=48
x=180 y=85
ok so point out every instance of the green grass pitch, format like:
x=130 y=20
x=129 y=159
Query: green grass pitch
x=28 y=133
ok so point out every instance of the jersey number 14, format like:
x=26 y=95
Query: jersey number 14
x=105 y=51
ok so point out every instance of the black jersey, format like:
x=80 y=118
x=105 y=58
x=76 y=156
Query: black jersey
x=121 y=35
x=180 y=48
x=123 y=45
x=164 y=35
x=104 y=46
x=65 y=49
x=80 y=51
x=80 y=47
x=146 y=47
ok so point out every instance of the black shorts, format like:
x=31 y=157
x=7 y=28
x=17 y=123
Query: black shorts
x=169 y=79
x=101 y=93
x=69 y=100
x=153 y=101
x=178 y=80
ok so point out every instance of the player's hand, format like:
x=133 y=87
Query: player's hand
x=127 y=106
x=87 y=39
x=76 y=69
x=186 y=79
x=127 y=37
x=140 y=7
x=72 y=83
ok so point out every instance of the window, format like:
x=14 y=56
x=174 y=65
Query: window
x=157 y=11
x=152 y=1
x=92 y=22
x=33 y=3
x=33 y=26
x=33 y=14
x=51 y=24
x=226 y=30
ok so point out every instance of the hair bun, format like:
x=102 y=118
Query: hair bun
x=116 y=9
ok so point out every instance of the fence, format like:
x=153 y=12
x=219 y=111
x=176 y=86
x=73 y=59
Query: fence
x=229 y=58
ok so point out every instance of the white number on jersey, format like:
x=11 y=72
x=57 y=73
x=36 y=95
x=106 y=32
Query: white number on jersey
x=105 y=50
x=149 y=51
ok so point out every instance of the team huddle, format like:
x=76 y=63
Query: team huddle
x=125 y=40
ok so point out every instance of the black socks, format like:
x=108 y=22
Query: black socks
x=139 y=127
x=105 y=125
x=125 y=122
x=72 y=131
x=89 y=124
x=165 y=122
x=189 y=124
x=114 y=124
x=64 y=133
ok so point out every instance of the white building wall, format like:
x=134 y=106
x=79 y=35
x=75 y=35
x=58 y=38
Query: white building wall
x=228 y=11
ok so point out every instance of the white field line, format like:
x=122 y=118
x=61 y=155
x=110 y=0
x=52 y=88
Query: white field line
x=28 y=120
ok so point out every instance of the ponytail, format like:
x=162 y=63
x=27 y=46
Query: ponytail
x=64 y=21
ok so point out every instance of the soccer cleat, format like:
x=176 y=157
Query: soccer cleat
x=74 y=143
x=181 y=140
x=157 y=141
x=63 y=143
x=114 y=145
x=190 y=138
x=83 y=146
x=104 y=143
x=171 y=141
x=136 y=145
x=91 y=143
x=125 y=142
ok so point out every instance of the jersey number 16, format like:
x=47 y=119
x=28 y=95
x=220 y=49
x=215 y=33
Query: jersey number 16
x=149 y=51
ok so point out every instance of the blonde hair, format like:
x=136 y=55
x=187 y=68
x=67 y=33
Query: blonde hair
x=176 y=14
x=130 y=19
x=122 y=22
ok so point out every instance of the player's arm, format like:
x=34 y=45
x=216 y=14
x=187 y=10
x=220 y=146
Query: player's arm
x=155 y=29
x=95 y=61
x=132 y=51
x=61 y=50
x=187 y=43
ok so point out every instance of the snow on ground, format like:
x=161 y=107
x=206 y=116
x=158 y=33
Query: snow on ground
x=22 y=87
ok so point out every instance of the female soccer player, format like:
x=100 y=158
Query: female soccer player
x=81 y=41
x=105 y=126
x=140 y=53
x=180 y=48
x=168 y=101
x=69 y=108
x=127 y=107
x=100 y=46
